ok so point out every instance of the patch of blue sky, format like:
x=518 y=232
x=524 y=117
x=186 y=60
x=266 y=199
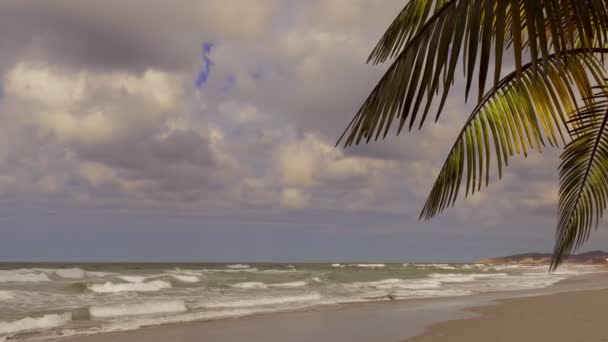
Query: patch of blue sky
x=203 y=75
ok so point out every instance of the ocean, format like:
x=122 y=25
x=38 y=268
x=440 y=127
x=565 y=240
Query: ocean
x=43 y=302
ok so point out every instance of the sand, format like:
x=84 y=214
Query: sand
x=577 y=316
x=568 y=317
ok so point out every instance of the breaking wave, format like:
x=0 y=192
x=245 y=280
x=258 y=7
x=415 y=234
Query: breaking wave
x=32 y=323
x=136 y=309
x=264 y=301
x=249 y=285
x=22 y=276
x=109 y=287
x=6 y=295
x=237 y=266
x=261 y=285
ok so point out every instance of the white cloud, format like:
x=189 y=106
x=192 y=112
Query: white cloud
x=294 y=198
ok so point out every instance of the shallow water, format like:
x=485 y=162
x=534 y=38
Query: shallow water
x=43 y=300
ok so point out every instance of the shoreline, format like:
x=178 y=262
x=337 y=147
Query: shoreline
x=416 y=320
x=567 y=317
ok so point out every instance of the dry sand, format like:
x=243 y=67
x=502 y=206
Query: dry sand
x=568 y=317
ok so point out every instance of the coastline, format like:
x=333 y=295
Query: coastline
x=567 y=317
x=569 y=305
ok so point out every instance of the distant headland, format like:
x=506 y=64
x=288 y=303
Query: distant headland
x=593 y=257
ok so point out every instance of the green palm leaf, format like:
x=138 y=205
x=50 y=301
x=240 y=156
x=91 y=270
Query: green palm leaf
x=513 y=118
x=584 y=177
x=558 y=47
x=429 y=37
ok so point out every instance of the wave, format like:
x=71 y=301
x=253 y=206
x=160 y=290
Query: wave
x=186 y=278
x=292 y=270
x=264 y=301
x=133 y=279
x=136 y=309
x=185 y=317
x=6 y=295
x=249 y=285
x=397 y=284
x=71 y=273
x=369 y=265
x=232 y=270
x=463 y=277
x=289 y=284
x=261 y=285
x=109 y=287
x=22 y=276
x=33 y=323
x=237 y=266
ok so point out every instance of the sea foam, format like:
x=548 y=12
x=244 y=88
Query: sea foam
x=289 y=284
x=71 y=273
x=109 y=287
x=33 y=323
x=186 y=278
x=464 y=277
x=133 y=279
x=237 y=266
x=264 y=301
x=249 y=285
x=6 y=295
x=22 y=276
x=136 y=309
x=370 y=265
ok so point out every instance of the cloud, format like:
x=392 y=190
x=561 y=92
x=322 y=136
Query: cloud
x=99 y=109
x=124 y=129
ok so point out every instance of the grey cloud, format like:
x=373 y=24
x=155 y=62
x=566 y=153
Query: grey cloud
x=133 y=35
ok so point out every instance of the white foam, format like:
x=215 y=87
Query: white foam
x=249 y=285
x=394 y=283
x=289 y=284
x=71 y=273
x=33 y=323
x=133 y=279
x=317 y=279
x=186 y=278
x=6 y=295
x=237 y=266
x=264 y=301
x=370 y=265
x=234 y=270
x=336 y=265
x=110 y=287
x=137 y=309
x=22 y=276
x=463 y=277
x=185 y=317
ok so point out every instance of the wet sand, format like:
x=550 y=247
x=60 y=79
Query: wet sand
x=569 y=317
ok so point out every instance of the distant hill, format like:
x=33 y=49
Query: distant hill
x=593 y=257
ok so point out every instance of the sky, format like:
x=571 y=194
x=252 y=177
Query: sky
x=145 y=130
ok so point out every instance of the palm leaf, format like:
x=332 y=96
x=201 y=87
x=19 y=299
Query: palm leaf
x=511 y=119
x=584 y=177
x=429 y=37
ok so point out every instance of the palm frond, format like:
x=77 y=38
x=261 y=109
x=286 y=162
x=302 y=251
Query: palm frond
x=429 y=37
x=513 y=118
x=583 y=191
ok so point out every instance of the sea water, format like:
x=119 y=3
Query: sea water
x=45 y=301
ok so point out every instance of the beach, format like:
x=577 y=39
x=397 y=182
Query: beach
x=568 y=317
x=572 y=315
